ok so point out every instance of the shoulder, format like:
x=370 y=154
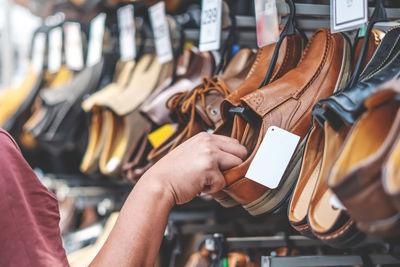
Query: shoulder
x=6 y=140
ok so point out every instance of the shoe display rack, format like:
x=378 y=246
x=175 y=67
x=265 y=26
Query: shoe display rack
x=309 y=17
x=235 y=227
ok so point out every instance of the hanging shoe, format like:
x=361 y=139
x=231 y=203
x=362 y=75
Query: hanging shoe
x=198 y=110
x=289 y=55
x=356 y=176
x=201 y=65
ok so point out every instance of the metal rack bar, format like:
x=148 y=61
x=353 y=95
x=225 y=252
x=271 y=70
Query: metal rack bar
x=270 y=242
x=344 y=260
x=279 y=241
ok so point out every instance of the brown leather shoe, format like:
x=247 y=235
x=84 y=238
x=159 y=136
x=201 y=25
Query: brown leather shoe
x=199 y=111
x=183 y=64
x=356 y=176
x=287 y=103
x=199 y=108
x=201 y=65
x=289 y=55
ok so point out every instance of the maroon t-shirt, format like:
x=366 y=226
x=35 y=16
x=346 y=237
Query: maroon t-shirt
x=29 y=216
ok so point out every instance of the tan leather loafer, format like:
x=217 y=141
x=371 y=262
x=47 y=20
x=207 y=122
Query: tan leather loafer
x=287 y=103
x=289 y=55
x=356 y=176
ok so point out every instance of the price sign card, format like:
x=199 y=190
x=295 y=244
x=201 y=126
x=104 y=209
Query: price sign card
x=127 y=32
x=55 y=50
x=73 y=46
x=160 y=28
x=267 y=22
x=348 y=14
x=38 y=50
x=210 y=28
x=273 y=157
x=96 y=35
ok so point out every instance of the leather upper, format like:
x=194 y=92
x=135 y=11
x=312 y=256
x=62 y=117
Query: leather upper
x=202 y=65
x=289 y=55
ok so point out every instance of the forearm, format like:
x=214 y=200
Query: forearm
x=138 y=232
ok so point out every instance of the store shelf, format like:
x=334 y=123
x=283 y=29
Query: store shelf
x=343 y=260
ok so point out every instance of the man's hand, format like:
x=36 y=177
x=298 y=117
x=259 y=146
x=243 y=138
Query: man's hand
x=193 y=167
x=196 y=166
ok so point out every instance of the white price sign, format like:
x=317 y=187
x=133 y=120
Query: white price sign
x=73 y=46
x=210 y=28
x=348 y=14
x=127 y=32
x=38 y=50
x=55 y=50
x=96 y=35
x=162 y=38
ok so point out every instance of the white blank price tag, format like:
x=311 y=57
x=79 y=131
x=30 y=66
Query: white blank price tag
x=73 y=46
x=55 y=50
x=162 y=38
x=210 y=28
x=96 y=35
x=348 y=14
x=38 y=50
x=127 y=32
x=273 y=157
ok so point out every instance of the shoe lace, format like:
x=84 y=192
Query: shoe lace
x=185 y=102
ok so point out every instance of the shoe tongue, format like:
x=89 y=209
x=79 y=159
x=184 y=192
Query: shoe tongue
x=211 y=113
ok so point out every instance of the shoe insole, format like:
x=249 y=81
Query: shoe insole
x=367 y=137
x=322 y=216
x=302 y=203
x=309 y=174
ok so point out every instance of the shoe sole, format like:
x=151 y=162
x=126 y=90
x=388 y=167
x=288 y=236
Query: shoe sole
x=227 y=202
x=274 y=199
